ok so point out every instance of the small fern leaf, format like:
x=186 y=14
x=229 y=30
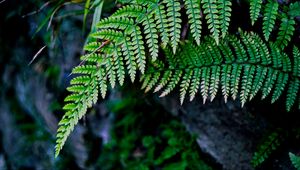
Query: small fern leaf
x=296 y=66
x=162 y=24
x=146 y=79
x=294 y=9
x=211 y=11
x=163 y=81
x=119 y=65
x=286 y=31
x=152 y=82
x=195 y=83
x=111 y=71
x=292 y=93
x=295 y=160
x=269 y=83
x=235 y=80
x=280 y=85
x=224 y=7
x=225 y=81
x=269 y=18
x=241 y=53
x=259 y=78
x=252 y=50
x=172 y=84
x=247 y=83
x=174 y=22
x=137 y=46
x=255 y=7
x=130 y=59
x=185 y=83
x=151 y=36
x=214 y=82
x=205 y=83
x=271 y=143
x=194 y=15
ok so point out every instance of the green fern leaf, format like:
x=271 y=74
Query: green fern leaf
x=174 y=22
x=214 y=84
x=280 y=85
x=172 y=84
x=296 y=67
x=137 y=47
x=164 y=80
x=129 y=57
x=194 y=15
x=151 y=36
x=271 y=143
x=269 y=18
x=235 y=80
x=225 y=81
x=162 y=24
x=295 y=160
x=286 y=31
x=294 y=9
x=152 y=82
x=260 y=75
x=292 y=94
x=269 y=82
x=241 y=53
x=195 y=83
x=184 y=86
x=224 y=7
x=255 y=7
x=205 y=83
x=247 y=82
x=211 y=11
x=119 y=65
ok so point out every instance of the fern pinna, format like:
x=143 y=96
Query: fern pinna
x=242 y=65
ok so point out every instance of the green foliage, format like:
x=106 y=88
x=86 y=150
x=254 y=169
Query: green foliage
x=266 y=148
x=255 y=67
x=270 y=14
x=137 y=143
x=242 y=65
x=255 y=7
x=269 y=18
x=295 y=160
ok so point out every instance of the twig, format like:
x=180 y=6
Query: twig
x=35 y=56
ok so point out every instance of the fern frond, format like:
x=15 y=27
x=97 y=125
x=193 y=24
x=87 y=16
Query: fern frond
x=225 y=81
x=247 y=82
x=271 y=143
x=85 y=93
x=269 y=18
x=255 y=7
x=174 y=22
x=295 y=160
x=211 y=11
x=294 y=86
x=194 y=15
x=286 y=31
x=294 y=9
x=195 y=83
x=172 y=84
x=246 y=63
x=162 y=24
x=224 y=7
x=214 y=84
x=184 y=86
x=260 y=74
x=151 y=36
